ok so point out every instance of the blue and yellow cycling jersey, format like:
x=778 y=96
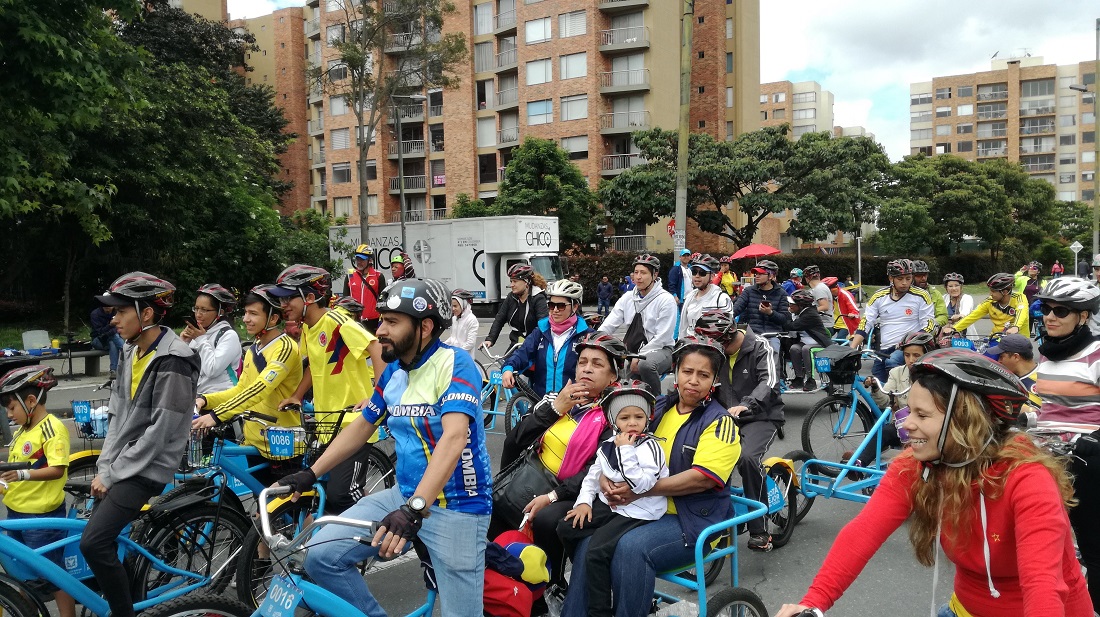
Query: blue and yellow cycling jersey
x=412 y=403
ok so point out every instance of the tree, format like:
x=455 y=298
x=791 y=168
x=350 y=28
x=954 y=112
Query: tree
x=732 y=186
x=367 y=31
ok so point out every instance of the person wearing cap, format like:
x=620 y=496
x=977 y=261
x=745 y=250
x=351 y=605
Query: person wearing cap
x=823 y=298
x=794 y=283
x=1017 y=353
x=150 y=410
x=679 y=277
x=763 y=305
x=397 y=265
x=365 y=283
x=844 y=307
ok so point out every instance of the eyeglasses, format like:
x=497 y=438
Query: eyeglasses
x=699 y=272
x=199 y=309
x=557 y=306
x=1061 y=312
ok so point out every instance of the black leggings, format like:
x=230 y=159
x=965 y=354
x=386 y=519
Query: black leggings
x=1084 y=517
x=99 y=544
x=347 y=481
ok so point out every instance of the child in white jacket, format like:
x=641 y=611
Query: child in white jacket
x=464 y=326
x=632 y=456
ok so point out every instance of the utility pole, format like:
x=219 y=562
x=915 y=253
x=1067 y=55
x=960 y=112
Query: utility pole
x=1096 y=145
x=687 y=24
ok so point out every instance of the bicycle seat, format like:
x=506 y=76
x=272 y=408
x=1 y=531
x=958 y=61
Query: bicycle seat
x=80 y=487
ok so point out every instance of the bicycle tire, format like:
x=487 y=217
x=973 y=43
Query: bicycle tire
x=483 y=372
x=712 y=568
x=379 y=472
x=487 y=401
x=802 y=502
x=164 y=537
x=819 y=438
x=13 y=604
x=728 y=601
x=780 y=524
x=84 y=468
x=517 y=409
x=196 y=604
x=254 y=573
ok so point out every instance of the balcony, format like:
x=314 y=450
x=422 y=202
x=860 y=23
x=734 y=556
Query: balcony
x=1037 y=149
x=1038 y=111
x=1037 y=167
x=613 y=82
x=320 y=192
x=506 y=61
x=991 y=115
x=419 y=216
x=507 y=138
x=621 y=6
x=313 y=28
x=1033 y=130
x=409 y=148
x=992 y=151
x=435 y=145
x=398 y=7
x=615 y=164
x=413 y=184
x=315 y=127
x=411 y=114
x=624 y=39
x=992 y=133
x=624 y=122
x=402 y=42
x=507 y=99
x=318 y=160
x=504 y=23
x=998 y=95
x=631 y=244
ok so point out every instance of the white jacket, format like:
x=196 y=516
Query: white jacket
x=464 y=332
x=219 y=350
x=658 y=309
x=694 y=305
x=640 y=467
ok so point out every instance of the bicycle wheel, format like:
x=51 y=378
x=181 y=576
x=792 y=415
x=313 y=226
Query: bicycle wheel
x=802 y=502
x=517 y=409
x=780 y=524
x=736 y=602
x=823 y=434
x=199 y=604
x=196 y=539
x=482 y=372
x=379 y=472
x=488 y=402
x=712 y=568
x=83 y=469
x=13 y=604
x=254 y=573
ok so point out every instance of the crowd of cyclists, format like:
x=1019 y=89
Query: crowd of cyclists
x=627 y=471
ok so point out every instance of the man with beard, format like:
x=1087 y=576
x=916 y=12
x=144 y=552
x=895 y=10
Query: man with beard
x=428 y=397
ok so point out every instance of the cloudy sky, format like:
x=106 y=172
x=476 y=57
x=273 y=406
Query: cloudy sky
x=868 y=52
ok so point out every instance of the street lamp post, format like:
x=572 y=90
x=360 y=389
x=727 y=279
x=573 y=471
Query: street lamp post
x=1096 y=145
x=419 y=98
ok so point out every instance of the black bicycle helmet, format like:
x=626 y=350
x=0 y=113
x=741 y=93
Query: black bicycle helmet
x=1002 y=281
x=811 y=272
x=974 y=372
x=953 y=276
x=139 y=287
x=768 y=265
x=803 y=297
x=351 y=305
x=1072 y=292
x=626 y=394
x=920 y=267
x=692 y=342
x=226 y=299
x=706 y=262
x=419 y=299
x=521 y=271
x=36 y=376
x=899 y=267
x=303 y=279
x=614 y=348
x=924 y=340
x=716 y=324
x=648 y=261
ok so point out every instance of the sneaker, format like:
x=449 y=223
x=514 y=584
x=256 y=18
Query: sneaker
x=810 y=385
x=114 y=374
x=795 y=384
x=760 y=542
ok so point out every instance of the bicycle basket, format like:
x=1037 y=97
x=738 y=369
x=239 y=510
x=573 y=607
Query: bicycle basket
x=90 y=418
x=285 y=442
x=840 y=362
x=321 y=428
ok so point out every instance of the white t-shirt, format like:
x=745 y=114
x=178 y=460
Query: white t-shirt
x=821 y=292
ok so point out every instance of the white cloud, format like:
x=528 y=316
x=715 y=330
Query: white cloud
x=247 y=9
x=867 y=53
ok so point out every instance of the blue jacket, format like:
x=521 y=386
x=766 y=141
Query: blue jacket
x=747 y=308
x=676 y=282
x=538 y=351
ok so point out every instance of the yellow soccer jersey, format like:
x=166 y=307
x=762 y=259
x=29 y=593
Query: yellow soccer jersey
x=712 y=457
x=45 y=444
x=270 y=374
x=336 y=353
x=138 y=364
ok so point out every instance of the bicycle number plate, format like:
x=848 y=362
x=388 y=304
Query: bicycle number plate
x=823 y=365
x=496 y=378
x=963 y=343
x=82 y=411
x=282 y=598
x=281 y=443
x=775 y=496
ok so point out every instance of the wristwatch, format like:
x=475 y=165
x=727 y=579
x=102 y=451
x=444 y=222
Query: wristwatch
x=419 y=505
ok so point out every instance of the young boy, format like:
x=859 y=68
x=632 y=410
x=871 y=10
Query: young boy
x=272 y=370
x=150 y=413
x=632 y=456
x=43 y=441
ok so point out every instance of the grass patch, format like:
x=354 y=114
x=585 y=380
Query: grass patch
x=11 y=334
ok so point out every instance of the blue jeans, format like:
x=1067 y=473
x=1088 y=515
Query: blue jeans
x=945 y=611
x=603 y=306
x=37 y=538
x=641 y=554
x=113 y=347
x=455 y=541
x=885 y=362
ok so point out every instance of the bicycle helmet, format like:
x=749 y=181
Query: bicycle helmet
x=396 y=257
x=924 y=340
x=768 y=265
x=521 y=271
x=716 y=324
x=920 y=267
x=702 y=344
x=706 y=262
x=953 y=276
x=614 y=348
x=1037 y=265
x=37 y=376
x=350 y=305
x=1072 y=292
x=830 y=281
x=302 y=279
x=364 y=251
x=1003 y=391
x=462 y=294
x=264 y=293
x=694 y=256
x=811 y=272
x=1002 y=281
x=565 y=288
x=648 y=261
x=226 y=299
x=419 y=299
x=620 y=395
x=899 y=267
x=139 y=287
x=797 y=272
x=724 y=259
x=803 y=297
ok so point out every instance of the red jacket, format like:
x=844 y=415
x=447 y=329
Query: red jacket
x=847 y=305
x=365 y=290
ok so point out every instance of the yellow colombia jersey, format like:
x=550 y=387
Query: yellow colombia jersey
x=336 y=354
x=45 y=444
x=711 y=457
x=138 y=364
x=270 y=374
x=1015 y=313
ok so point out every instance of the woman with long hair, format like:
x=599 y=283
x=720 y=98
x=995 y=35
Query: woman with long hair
x=993 y=500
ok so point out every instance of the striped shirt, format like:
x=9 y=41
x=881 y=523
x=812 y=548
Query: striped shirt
x=1070 y=388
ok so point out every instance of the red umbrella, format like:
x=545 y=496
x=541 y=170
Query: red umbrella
x=755 y=250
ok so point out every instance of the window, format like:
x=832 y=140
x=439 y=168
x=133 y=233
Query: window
x=577 y=147
x=337 y=106
x=486 y=132
x=729 y=27
x=1087 y=176
x=963 y=129
x=920 y=116
x=334 y=34
x=371 y=169
x=943 y=93
x=925 y=150
x=763 y=99
x=916 y=134
x=702 y=54
x=337 y=70
x=1088 y=156
x=483 y=18
x=1037 y=87
x=569 y=24
x=363 y=130
x=964 y=92
x=341 y=173
x=1088 y=117
x=1067 y=178
x=779 y=97
x=1067 y=140
x=1088 y=79
x=943 y=112
x=943 y=148
x=799 y=131
x=339 y=139
x=729 y=62
x=964 y=146
x=920 y=99
x=1067 y=120
x=538 y=30
x=539 y=72
x=1087 y=195
x=1069 y=158
x=804 y=97
x=729 y=97
x=333 y=5
x=341 y=206
x=540 y=112
x=964 y=110
x=779 y=114
x=729 y=131
x=943 y=129
x=572 y=107
x=763 y=115
x=804 y=114
x=702 y=123
x=574 y=66
x=484 y=57
x=987 y=111
x=702 y=89
x=1087 y=137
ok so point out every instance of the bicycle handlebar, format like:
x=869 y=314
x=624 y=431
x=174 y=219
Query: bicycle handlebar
x=485 y=350
x=16 y=466
x=278 y=542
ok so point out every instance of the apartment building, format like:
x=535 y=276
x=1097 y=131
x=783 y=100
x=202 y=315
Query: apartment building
x=214 y=10
x=1021 y=110
x=804 y=105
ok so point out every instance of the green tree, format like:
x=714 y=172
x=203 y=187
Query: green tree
x=904 y=228
x=466 y=208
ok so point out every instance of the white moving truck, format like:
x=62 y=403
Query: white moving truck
x=472 y=254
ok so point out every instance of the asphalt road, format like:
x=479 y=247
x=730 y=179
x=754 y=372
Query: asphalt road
x=892 y=582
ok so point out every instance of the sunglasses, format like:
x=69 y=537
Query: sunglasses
x=699 y=272
x=1061 y=312
x=557 y=306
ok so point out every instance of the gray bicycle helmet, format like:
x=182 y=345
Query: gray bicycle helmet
x=706 y=262
x=226 y=299
x=953 y=276
x=648 y=261
x=812 y=272
x=1002 y=281
x=1072 y=292
x=899 y=267
x=924 y=340
x=803 y=297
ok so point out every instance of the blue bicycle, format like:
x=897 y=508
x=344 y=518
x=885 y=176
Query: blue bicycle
x=510 y=404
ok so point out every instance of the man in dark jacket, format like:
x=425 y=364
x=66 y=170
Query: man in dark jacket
x=105 y=337
x=678 y=274
x=763 y=305
x=748 y=387
x=604 y=291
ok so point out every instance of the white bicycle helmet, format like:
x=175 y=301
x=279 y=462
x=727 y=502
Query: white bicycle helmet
x=1075 y=293
x=565 y=288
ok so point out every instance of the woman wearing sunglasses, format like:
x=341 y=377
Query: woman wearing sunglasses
x=1068 y=381
x=703 y=295
x=548 y=351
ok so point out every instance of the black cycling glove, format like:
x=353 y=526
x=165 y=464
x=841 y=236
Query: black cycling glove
x=403 y=523
x=300 y=481
x=1088 y=445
